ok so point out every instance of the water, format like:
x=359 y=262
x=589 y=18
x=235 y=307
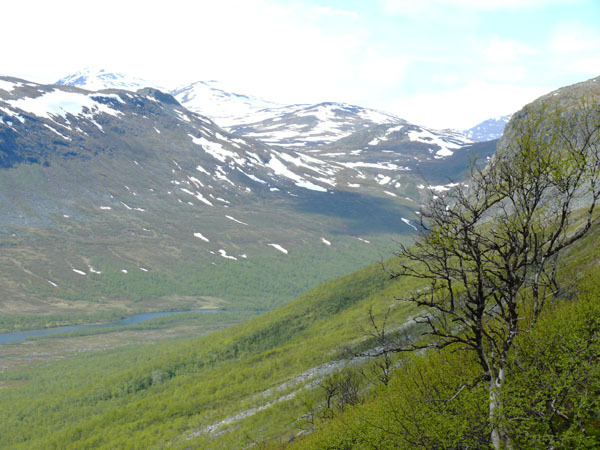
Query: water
x=19 y=336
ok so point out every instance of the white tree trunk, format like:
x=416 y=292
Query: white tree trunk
x=499 y=439
x=495 y=437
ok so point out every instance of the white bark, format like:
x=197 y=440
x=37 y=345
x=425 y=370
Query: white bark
x=499 y=439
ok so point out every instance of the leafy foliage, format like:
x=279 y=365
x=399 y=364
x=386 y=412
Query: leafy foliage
x=551 y=398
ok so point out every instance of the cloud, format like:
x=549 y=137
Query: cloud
x=574 y=37
x=589 y=65
x=384 y=70
x=488 y=5
x=410 y=7
x=327 y=10
x=506 y=50
x=295 y=51
x=464 y=107
x=576 y=47
x=270 y=48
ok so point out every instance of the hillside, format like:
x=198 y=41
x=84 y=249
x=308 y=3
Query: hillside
x=520 y=368
x=301 y=375
x=257 y=382
x=155 y=207
x=193 y=391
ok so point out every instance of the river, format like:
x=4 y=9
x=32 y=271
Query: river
x=19 y=336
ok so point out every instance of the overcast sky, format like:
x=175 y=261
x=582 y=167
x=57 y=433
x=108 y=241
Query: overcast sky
x=443 y=63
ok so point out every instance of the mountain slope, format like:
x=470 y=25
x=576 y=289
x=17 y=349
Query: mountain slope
x=156 y=207
x=312 y=125
x=210 y=98
x=259 y=382
x=217 y=391
x=207 y=98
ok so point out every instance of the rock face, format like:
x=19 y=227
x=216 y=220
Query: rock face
x=567 y=99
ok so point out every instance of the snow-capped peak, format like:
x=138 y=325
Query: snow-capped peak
x=488 y=129
x=98 y=79
x=226 y=107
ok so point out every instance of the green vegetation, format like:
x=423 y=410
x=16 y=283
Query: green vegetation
x=241 y=385
x=143 y=396
x=551 y=398
x=491 y=253
x=492 y=263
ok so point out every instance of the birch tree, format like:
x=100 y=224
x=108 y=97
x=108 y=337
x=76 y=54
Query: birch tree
x=490 y=251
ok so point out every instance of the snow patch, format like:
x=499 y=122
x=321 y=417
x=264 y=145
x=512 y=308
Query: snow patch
x=280 y=169
x=279 y=247
x=198 y=195
x=216 y=150
x=407 y=222
x=200 y=236
x=201 y=169
x=66 y=138
x=235 y=220
x=446 y=143
x=60 y=103
x=9 y=86
x=382 y=179
x=382 y=165
x=226 y=256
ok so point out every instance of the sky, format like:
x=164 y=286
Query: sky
x=441 y=63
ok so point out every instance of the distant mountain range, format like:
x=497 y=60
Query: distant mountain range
x=298 y=125
x=488 y=130
x=127 y=198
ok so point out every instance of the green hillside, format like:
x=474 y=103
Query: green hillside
x=143 y=396
x=432 y=402
x=257 y=381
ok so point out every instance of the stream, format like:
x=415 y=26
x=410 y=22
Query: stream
x=19 y=336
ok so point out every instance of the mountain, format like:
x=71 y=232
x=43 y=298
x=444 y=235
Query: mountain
x=227 y=108
x=489 y=129
x=155 y=207
x=297 y=125
x=266 y=380
x=207 y=98
x=312 y=125
x=133 y=180
x=98 y=79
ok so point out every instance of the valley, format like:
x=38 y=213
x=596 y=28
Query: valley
x=119 y=201
x=266 y=238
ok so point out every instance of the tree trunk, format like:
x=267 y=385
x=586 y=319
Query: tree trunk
x=495 y=435
x=500 y=440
